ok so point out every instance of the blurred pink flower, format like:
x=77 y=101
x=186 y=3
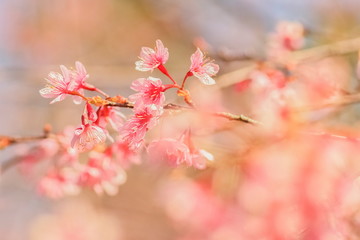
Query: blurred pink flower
x=124 y=155
x=134 y=130
x=101 y=174
x=169 y=151
x=177 y=152
x=150 y=91
x=31 y=155
x=59 y=183
x=290 y=35
x=151 y=59
x=59 y=85
x=202 y=68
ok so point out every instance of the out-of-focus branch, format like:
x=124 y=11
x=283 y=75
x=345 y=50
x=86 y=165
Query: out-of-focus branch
x=296 y=57
x=229 y=56
x=345 y=100
x=6 y=141
x=5 y=165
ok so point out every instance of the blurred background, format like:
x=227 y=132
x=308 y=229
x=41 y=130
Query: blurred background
x=36 y=36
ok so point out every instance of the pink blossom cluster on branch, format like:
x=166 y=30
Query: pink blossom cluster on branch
x=289 y=174
x=111 y=150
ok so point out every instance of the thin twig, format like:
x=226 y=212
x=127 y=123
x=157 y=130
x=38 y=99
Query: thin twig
x=345 y=100
x=296 y=57
x=172 y=106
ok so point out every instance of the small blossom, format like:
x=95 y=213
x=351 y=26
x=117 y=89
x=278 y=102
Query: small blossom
x=69 y=81
x=124 y=155
x=89 y=134
x=169 y=151
x=177 y=152
x=107 y=114
x=202 y=68
x=59 y=183
x=150 y=91
x=152 y=58
x=101 y=174
x=134 y=130
x=288 y=37
x=59 y=85
x=80 y=75
x=87 y=137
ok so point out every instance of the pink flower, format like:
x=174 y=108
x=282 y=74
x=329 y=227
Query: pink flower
x=202 y=68
x=31 y=155
x=169 y=151
x=134 y=130
x=289 y=35
x=124 y=155
x=101 y=174
x=59 y=183
x=59 y=85
x=177 y=152
x=89 y=134
x=110 y=115
x=151 y=59
x=150 y=91
x=80 y=75
x=69 y=82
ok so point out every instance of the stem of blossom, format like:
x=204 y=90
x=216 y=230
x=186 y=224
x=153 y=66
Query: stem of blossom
x=6 y=141
x=75 y=93
x=172 y=106
x=345 y=100
x=95 y=89
x=234 y=117
x=188 y=74
x=169 y=86
x=166 y=73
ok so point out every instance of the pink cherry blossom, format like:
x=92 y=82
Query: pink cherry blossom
x=89 y=134
x=31 y=155
x=59 y=85
x=169 y=151
x=177 y=152
x=202 y=68
x=134 y=130
x=68 y=82
x=124 y=155
x=150 y=91
x=87 y=137
x=101 y=174
x=290 y=35
x=107 y=114
x=80 y=75
x=152 y=58
x=59 y=183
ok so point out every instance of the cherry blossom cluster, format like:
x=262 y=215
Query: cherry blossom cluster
x=300 y=178
x=290 y=174
x=112 y=141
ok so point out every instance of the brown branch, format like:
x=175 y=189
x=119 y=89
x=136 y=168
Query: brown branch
x=171 y=106
x=345 y=100
x=6 y=141
x=234 y=117
x=226 y=55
